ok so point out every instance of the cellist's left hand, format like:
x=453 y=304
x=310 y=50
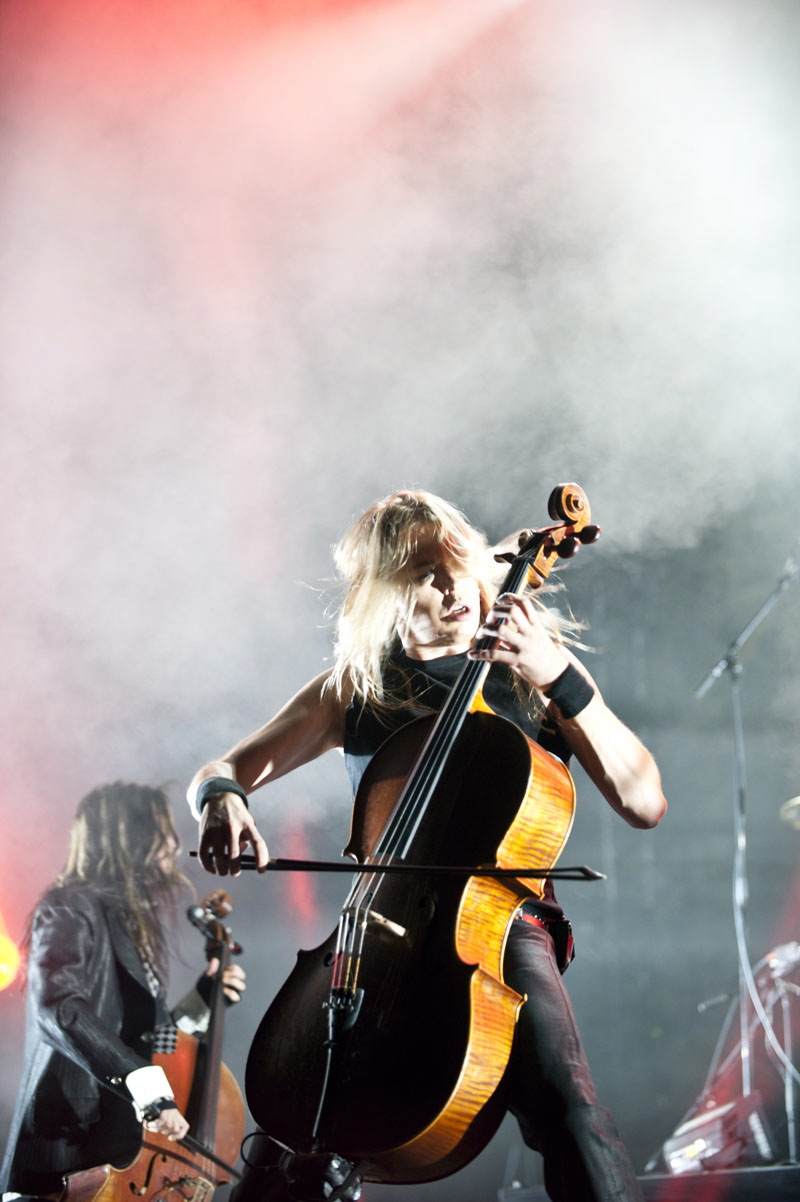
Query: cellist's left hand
x=233 y=984
x=524 y=643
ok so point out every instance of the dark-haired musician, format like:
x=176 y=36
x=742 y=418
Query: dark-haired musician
x=97 y=1010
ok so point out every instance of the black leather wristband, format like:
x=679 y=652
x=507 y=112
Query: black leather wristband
x=151 y=1112
x=213 y=786
x=570 y=691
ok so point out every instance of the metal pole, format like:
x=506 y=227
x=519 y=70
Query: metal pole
x=731 y=663
x=740 y=880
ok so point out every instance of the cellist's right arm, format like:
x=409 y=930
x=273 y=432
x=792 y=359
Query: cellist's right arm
x=306 y=727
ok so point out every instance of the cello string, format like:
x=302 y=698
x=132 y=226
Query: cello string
x=338 y=966
x=416 y=796
x=398 y=837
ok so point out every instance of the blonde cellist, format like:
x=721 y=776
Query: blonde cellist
x=420 y=585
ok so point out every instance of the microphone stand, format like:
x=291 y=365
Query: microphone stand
x=731 y=663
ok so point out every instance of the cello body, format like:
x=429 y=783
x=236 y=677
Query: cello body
x=164 y=1169
x=414 y=1095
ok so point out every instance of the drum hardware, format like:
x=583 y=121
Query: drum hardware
x=713 y=1135
x=722 y=1131
x=732 y=664
x=731 y=1134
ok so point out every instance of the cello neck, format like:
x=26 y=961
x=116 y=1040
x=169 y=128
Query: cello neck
x=205 y=1092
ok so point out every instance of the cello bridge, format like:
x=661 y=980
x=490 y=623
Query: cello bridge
x=191 y=1189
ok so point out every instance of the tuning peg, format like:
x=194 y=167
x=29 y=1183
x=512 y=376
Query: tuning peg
x=568 y=547
x=589 y=534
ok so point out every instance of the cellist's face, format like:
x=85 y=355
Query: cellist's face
x=441 y=612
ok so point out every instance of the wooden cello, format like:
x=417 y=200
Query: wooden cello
x=205 y=1091
x=387 y=1043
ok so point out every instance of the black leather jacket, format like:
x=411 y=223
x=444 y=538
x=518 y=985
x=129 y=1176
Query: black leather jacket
x=89 y=1015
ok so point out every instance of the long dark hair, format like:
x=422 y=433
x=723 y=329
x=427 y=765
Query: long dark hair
x=122 y=845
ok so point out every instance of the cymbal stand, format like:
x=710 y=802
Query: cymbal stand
x=784 y=988
x=731 y=663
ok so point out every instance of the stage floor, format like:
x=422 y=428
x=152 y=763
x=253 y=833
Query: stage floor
x=769 y=1183
x=772 y=1183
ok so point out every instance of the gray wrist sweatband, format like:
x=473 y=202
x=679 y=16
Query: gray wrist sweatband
x=213 y=786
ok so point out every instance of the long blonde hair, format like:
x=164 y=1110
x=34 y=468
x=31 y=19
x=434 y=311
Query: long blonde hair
x=370 y=559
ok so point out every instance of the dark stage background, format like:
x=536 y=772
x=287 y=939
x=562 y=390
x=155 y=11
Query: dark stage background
x=264 y=263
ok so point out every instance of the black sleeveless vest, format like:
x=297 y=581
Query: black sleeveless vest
x=428 y=684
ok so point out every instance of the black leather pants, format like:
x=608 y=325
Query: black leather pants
x=550 y=1089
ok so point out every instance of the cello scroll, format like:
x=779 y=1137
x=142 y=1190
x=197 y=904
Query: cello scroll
x=541 y=548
